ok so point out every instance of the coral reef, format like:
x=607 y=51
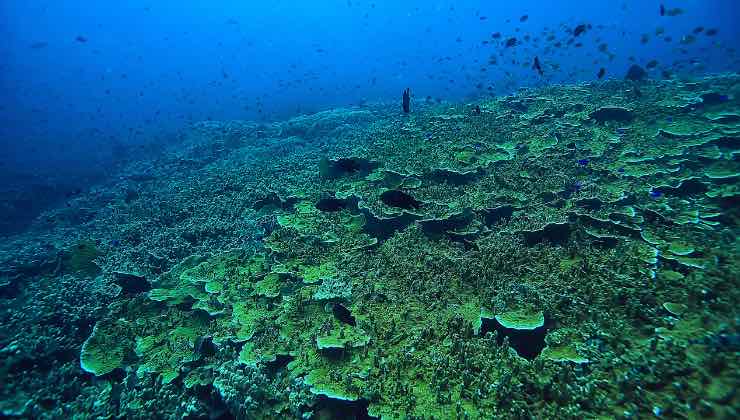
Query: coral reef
x=567 y=252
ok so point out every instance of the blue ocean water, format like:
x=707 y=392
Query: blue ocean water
x=79 y=78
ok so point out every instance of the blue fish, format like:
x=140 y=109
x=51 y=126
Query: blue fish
x=655 y=194
x=583 y=162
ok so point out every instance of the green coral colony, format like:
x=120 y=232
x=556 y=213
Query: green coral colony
x=569 y=252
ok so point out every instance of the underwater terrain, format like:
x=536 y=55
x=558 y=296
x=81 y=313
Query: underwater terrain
x=564 y=252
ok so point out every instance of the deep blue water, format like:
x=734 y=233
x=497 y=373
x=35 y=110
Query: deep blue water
x=80 y=78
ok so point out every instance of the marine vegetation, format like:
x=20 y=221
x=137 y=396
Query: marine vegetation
x=563 y=252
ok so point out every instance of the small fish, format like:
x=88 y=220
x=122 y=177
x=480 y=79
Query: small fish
x=81 y=39
x=662 y=10
x=674 y=12
x=524 y=18
x=655 y=194
x=669 y=120
x=651 y=64
x=496 y=35
x=583 y=162
x=580 y=29
x=601 y=73
x=511 y=42
x=39 y=45
x=698 y=30
x=711 y=32
x=537 y=66
x=687 y=39
x=620 y=170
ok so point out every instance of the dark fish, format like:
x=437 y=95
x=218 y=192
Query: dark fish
x=644 y=39
x=537 y=66
x=510 y=42
x=636 y=73
x=687 y=39
x=662 y=10
x=483 y=17
x=81 y=39
x=583 y=162
x=601 y=73
x=580 y=29
x=496 y=35
x=711 y=32
x=39 y=45
x=652 y=64
x=674 y=12
x=524 y=18
x=698 y=29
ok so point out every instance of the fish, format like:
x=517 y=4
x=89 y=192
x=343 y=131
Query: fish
x=496 y=35
x=651 y=64
x=698 y=30
x=687 y=39
x=537 y=66
x=676 y=11
x=662 y=10
x=580 y=29
x=81 y=39
x=39 y=45
x=511 y=42
x=523 y=18
x=601 y=73
x=711 y=32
